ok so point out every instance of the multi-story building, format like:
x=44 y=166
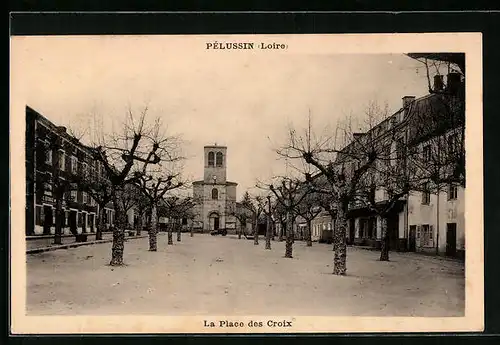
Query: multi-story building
x=53 y=158
x=215 y=197
x=427 y=134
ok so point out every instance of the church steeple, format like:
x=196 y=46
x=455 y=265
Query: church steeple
x=215 y=164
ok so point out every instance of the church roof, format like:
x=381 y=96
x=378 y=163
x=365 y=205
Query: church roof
x=228 y=183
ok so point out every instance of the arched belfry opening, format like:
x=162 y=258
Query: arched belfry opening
x=219 y=159
x=211 y=159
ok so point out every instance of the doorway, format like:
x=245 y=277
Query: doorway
x=72 y=222
x=48 y=221
x=351 y=231
x=84 y=223
x=451 y=239
x=91 y=222
x=412 y=240
x=216 y=223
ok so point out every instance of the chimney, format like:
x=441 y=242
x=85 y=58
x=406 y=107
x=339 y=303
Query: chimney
x=438 y=83
x=357 y=135
x=453 y=82
x=406 y=103
x=61 y=129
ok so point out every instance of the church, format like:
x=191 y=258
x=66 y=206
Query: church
x=215 y=196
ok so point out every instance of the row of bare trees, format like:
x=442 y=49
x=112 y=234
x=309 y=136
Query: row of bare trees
x=418 y=149
x=137 y=166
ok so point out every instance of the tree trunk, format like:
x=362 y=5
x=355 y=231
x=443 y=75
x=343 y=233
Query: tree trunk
x=191 y=232
x=170 y=225
x=339 y=259
x=100 y=223
x=289 y=236
x=282 y=230
x=256 y=232
x=59 y=219
x=179 y=230
x=269 y=230
x=308 y=234
x=384 y=251
x=239 y=232
x=153 y=230
x=118 y=235
x=139 y=224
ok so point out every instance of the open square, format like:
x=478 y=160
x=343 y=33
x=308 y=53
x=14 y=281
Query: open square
x=213 y=275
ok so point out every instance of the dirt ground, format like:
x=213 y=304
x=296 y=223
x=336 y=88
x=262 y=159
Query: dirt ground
x=214 y=275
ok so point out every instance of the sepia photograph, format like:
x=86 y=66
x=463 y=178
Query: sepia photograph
x=246 y=183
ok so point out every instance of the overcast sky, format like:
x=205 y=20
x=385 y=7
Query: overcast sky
x=241 y=99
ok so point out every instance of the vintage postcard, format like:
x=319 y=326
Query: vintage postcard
x=246 y=183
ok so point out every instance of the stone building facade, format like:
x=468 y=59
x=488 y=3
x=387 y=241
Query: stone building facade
x=215 y=196
x=52 y=153
x=430 y=219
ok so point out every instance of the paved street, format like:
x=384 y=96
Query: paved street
x=213 y=275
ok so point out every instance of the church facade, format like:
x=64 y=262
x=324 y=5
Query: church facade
x=215 y=196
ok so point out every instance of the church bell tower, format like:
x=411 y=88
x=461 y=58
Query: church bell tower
x=215 y=164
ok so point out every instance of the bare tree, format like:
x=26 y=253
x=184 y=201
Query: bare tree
x=98 y=186
x=176 y=208
x=252 y=205
x=126 y=156
x=243 y=215
x=309 y=209
x=289 y=193
x=389 y=179
x=154 y=186
x=266 y=207
x=184 y=210
x=342 y=163
x=280 y=216
x=141 y=206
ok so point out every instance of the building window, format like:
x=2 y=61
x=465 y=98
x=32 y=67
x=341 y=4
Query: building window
x=62 y=160
x=74 y=164
x=47 y=187
x=427 y=153
x=211 y=159
x=48 y=156
x=219 y=159
x=73 y=195
x=215 y=194
x=452 y=191
x=38 y=215
x=426 y=236
x=84 y=197
x=426 y=195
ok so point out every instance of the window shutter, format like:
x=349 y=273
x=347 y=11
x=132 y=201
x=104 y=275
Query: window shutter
x=419 y=236
x=431 y=235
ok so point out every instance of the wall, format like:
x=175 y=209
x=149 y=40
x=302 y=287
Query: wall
x=210 y=205
x=450 y=211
